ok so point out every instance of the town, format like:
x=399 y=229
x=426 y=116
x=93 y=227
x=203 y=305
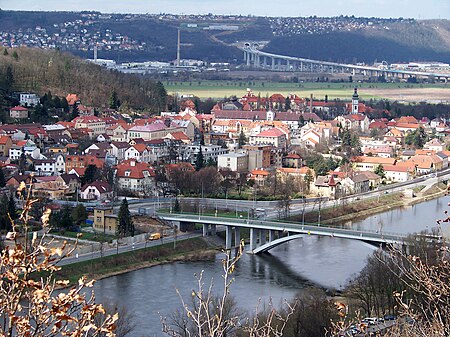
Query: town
x=250 y=142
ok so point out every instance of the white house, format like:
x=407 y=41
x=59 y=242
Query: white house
x=137 y=152
x=136 y=177
x=237 y=162
x=97 y=190
x=28 y=99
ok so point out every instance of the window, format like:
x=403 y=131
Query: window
x=99 y=219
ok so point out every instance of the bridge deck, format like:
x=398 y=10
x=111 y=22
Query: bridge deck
x=366 y=235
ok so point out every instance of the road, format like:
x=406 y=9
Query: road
x=126 y=248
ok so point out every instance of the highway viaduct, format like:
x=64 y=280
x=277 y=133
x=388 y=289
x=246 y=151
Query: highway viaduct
x=269 y=61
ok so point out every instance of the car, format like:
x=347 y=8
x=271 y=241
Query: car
x=389 y=317
x=370 y=320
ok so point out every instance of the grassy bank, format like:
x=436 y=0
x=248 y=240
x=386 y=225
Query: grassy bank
x=350 y=211
x=186 y=250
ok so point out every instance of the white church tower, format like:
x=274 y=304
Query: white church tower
x=355 y=108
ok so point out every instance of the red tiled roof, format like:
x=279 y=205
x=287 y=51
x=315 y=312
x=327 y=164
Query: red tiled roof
x=18 y=108
x=135 y=169
x=274 y=132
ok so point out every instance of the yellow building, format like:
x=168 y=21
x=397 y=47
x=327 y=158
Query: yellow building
x=105 y=221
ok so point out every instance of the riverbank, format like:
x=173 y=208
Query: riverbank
x=195 y=249
x=342 y=212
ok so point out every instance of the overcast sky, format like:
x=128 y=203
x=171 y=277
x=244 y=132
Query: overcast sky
x=422 y=9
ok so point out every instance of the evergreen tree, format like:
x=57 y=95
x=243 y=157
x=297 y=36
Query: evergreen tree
x=5 y=223
x=125 y=222
x=15 y=56
x=211 y=162
x=380 y=171
x=242 y=139
x=5 y=52
x=12 y=207
x=200 y=160
x=287 y=104
x=2 y=178
x=90 y=174
x=113 y=100
x=177 y=207
x=75 y=111
x=9 y=79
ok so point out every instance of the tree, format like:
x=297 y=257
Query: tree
x=5 y=52
x=199 y=160
x=15 y=55
x=30 y=306
x=114 y=100
x=380 y=171
x=206 y=314
x=12 y=207
x=242 y=139
x=79 y=214
x=91 y=174
x=287 y=104
x=211 y=162
x=5 y=222
x=308 y=178
x=176 y=207
x=75 y=111
x=2 y=178
x=125 y=222
x=417 y=138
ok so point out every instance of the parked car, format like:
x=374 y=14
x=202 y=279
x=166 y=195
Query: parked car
x=389 y=317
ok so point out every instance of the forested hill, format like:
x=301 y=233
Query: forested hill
x=399 y=42
x=145 y=37
x=40 y=71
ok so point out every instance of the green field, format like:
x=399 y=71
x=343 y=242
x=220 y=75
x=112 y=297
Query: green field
x=221 y=89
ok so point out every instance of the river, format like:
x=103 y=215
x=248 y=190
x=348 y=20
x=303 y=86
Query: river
x=288 y=269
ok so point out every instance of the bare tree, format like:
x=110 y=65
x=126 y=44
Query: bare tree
x=29 y=305
x=216 y=316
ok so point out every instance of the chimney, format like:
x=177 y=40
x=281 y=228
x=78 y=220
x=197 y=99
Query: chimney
x=178 y=48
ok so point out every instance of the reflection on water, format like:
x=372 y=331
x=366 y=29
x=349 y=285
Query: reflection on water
x=287 y=270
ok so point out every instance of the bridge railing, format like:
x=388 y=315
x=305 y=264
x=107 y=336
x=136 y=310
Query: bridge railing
x=285 y=225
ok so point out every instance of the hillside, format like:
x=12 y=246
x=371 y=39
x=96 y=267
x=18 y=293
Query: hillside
x=144 y=37
x=41 y=71
x=399 y=42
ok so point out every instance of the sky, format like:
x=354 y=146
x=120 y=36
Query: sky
x=419 y=9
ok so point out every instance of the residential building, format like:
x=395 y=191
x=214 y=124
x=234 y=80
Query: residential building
x=137 y=152
x=210 y=152
x=136 y=177
x=97 y=190
x=18 y=112
x=5 y=145
x=371 y=163
x=96 y=124
x=237 y=162
x=258 y=156
x=28 y=99
x=274 y=136
x=105 y=221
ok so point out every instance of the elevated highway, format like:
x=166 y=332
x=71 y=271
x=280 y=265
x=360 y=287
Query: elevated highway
x=276 y=62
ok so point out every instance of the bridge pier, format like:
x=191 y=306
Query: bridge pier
x=273 y=63
x=271 y=235
x=253 y=234
x=237 y=236
x=205 y=229
x=228 y=237
x=213 y=229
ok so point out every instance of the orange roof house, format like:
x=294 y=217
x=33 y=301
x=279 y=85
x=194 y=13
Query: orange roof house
x=72 y=99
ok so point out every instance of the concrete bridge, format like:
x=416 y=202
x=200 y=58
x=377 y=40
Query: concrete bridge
x=259 y=59
x=265 y=235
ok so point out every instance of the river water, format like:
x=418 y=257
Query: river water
x=289 y=269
